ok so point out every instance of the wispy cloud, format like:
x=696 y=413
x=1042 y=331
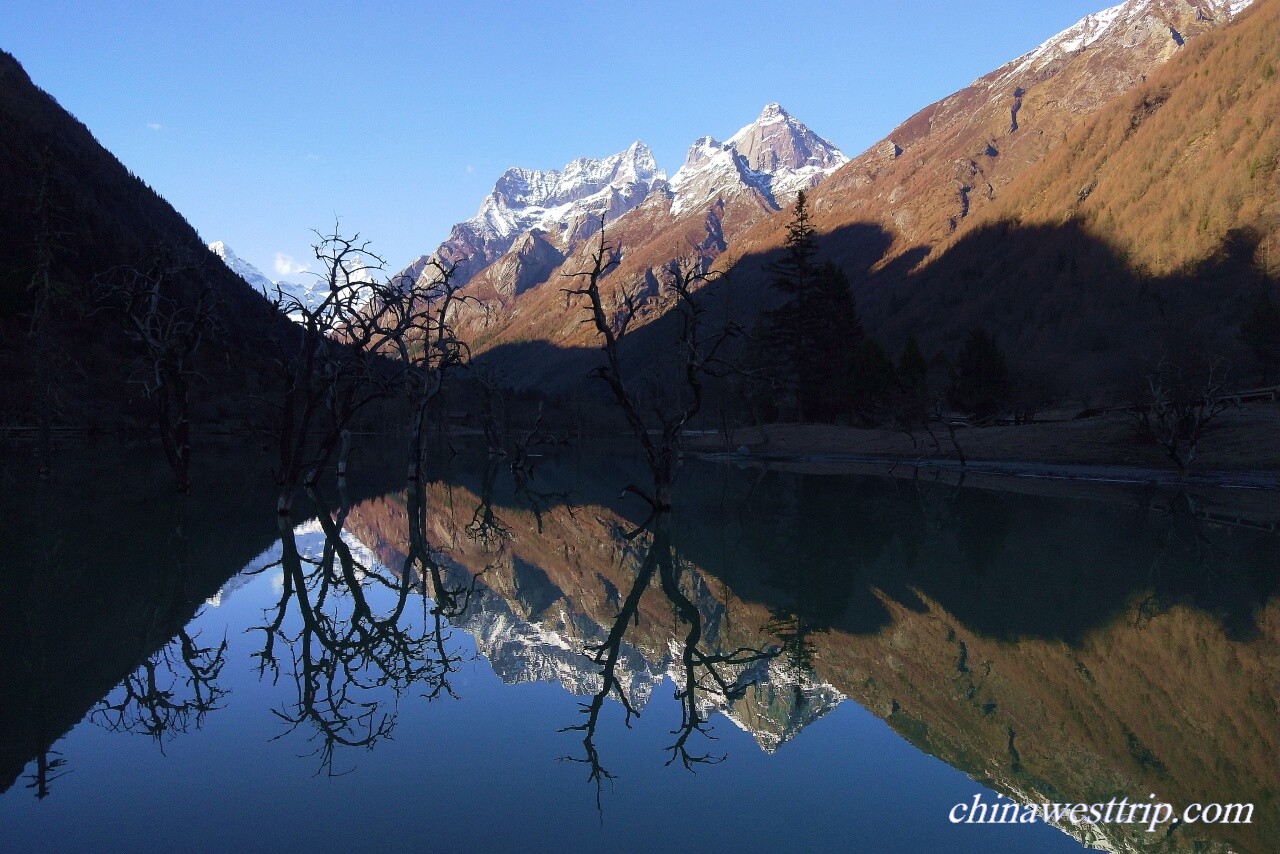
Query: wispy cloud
x=154 y=126
x=287 y=266
x=313 y=158
x=470 y=168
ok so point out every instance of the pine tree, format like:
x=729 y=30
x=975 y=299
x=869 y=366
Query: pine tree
x=787 y=333
x=980 y=385
x=913 y=369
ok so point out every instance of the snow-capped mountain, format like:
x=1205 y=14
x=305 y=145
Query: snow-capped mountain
x=309 y=293
x=775 y=156
x=1127 y=24
x=242 y=268
x=565 y=204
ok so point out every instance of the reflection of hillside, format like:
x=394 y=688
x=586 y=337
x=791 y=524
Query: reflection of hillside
x=1050 y=647
x=543 y=599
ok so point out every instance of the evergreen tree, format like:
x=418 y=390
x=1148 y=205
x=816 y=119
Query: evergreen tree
x=913 y=369
x=829 y=367
x=980 y=385
x=787 y=334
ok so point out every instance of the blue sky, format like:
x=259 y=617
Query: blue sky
x=260 y=121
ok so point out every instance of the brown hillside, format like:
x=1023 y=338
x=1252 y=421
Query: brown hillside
x=1169 y=170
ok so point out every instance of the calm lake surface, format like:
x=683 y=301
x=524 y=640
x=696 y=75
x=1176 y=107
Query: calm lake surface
x=787 y=661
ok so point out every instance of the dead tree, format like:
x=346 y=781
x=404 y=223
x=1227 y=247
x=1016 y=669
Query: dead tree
x=696 y=352
x=1182 y=405
x=331 y=362
x=414 y=320
x=151 y=701
x=707 y=678
x=347 y=654
x=167 y=326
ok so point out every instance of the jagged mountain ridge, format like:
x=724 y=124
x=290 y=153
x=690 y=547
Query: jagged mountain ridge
x=722 y=189
x=565 y=204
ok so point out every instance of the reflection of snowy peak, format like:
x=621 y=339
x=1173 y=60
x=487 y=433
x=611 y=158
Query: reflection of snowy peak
x=775 y=156
x=520 y=651
x=565 y=203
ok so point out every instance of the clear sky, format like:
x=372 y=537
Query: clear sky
x=262 y=120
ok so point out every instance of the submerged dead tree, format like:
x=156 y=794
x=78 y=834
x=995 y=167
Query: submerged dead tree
x=331 y=359
x=414 y=317
x=695 y=349
x=167 y=323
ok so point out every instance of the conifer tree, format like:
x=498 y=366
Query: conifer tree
x=786 y=331
x=980 y=385
x=913 y=369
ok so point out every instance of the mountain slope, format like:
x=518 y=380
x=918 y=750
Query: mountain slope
x=1144 y=235
x=952 y=158
x=98 y=215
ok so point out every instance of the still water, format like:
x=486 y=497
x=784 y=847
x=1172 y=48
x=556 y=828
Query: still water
x=789 y=660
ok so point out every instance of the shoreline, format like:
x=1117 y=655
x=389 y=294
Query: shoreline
x=1085 y=472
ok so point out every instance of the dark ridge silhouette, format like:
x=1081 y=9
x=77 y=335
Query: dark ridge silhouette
x=99 y=215
x=1060 y=301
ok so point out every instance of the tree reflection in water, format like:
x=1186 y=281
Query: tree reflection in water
x=353 y=646
x=170 y=693
x=706 y=679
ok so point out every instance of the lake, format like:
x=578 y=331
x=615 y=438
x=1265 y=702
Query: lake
x=790 y=659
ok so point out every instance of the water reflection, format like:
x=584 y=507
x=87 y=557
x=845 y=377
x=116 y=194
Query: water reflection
x=1052 y=641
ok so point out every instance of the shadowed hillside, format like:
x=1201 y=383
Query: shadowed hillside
x=71 y=211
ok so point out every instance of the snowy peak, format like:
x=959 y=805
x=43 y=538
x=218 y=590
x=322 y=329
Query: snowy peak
x=1124 y=26
x=243 y=268
x=565 y=203
x=309 y=294
x=776 y=156
x=777 y=141
x=521 y=194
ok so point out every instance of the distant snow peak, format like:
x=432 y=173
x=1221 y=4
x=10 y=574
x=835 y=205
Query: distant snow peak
x=309 y=294
x=242 y=268
x=776 y=155
x=1114 y=20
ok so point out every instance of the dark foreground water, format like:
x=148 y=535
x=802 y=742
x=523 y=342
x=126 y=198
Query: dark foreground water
x=788 y=661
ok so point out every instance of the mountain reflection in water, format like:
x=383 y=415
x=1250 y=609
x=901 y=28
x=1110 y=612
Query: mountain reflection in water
x=1051 y=641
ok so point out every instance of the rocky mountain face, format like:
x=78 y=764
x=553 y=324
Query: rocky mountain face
x=775 y=156
x=563 y=205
